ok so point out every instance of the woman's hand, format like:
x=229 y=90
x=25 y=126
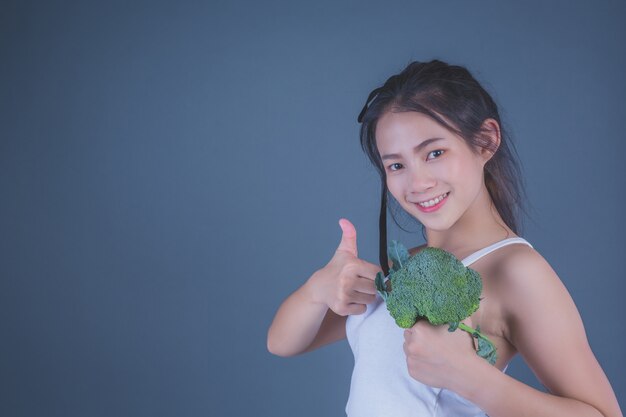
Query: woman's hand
x=436 y=356
x=346 y=283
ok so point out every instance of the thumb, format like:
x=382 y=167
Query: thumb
x=348 y=237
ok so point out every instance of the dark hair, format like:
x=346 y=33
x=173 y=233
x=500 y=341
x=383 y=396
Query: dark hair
x=442 y=91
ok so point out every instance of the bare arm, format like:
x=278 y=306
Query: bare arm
x=315 y=314
x=302 y=325
x=547 y=330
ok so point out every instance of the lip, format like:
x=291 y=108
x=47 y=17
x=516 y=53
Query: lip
x=433 y=208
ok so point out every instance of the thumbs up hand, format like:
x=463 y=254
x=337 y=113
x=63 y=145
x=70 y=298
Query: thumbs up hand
x=348 y=237
x=346 y=283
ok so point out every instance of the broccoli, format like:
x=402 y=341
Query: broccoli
x=433 y=285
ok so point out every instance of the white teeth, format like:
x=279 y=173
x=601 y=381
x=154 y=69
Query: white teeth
x=434 y=201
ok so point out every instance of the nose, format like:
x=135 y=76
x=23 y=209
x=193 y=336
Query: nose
x=421 y=179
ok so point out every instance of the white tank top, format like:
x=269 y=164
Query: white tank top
x=381 y=385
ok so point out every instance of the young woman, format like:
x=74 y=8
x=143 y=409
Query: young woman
x=435 y=136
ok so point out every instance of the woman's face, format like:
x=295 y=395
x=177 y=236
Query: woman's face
x=426 y=163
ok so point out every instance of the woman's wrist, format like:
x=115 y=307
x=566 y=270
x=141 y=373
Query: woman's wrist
x=312 y=289
x=472 y=377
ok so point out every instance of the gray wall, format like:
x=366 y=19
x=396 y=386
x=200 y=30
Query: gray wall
x=171 y=171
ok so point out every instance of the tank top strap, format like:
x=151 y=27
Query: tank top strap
x=484 y=251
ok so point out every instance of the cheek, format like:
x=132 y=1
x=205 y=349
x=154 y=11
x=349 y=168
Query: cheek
x=473 y=173
x=464 y=172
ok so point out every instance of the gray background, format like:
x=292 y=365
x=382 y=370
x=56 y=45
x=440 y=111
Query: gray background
x=171 y=171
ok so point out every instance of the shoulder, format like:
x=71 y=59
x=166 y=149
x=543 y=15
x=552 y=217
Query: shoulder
x=520 y=264
x=526 y=280
x=523 y=270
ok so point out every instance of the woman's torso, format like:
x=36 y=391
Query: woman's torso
x=381 y=384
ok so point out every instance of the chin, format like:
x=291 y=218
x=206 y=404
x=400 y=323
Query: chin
x=438 y=225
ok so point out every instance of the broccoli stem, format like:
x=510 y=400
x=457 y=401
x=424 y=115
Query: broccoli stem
x=473 y=332
x=486 y=348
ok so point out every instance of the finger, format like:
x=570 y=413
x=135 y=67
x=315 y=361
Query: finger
x=368 y=270
x=422 y=328
x=360 y=298
x=356 y=308
x=408 y=334
x=419 y=324
x=365 y=286
x=348 y=237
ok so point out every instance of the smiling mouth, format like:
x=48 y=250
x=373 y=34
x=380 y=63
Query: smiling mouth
x=434 y=201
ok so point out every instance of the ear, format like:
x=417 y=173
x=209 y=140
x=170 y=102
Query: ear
x=490 y=137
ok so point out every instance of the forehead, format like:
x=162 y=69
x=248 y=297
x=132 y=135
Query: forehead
x=408 y=128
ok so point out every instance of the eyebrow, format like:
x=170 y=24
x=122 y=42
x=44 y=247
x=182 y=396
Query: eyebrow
x=415 y=149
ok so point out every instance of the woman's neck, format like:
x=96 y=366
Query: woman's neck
x=478 y=227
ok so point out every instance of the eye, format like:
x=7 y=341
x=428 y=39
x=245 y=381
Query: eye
x=395 y=166
x=437 y=153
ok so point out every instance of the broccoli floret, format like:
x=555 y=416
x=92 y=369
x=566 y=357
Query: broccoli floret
x=433 y=285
